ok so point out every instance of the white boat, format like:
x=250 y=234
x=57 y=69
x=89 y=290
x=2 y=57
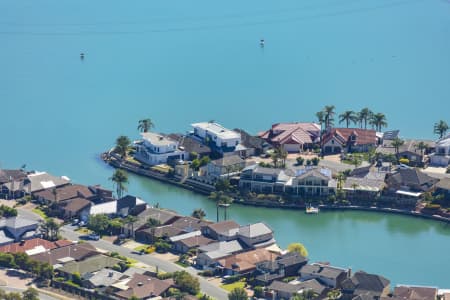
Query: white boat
x=312 y=210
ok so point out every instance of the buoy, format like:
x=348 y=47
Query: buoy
x=82 y=55
x=261 y=42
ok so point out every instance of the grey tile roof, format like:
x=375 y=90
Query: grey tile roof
x=365 y=282
x=229 y=160
x=254 y=230
x=104 y=277
x=4 y=239
x=91 y=264
x=223 y=227
x=41 y=181
x=311 y=284
x=8 y=175
x=17 y=222
x=226 y=247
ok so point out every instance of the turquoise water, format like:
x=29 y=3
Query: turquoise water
x=181 y=62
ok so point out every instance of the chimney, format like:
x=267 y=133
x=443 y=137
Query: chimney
x=349 y=272
x=110 y=274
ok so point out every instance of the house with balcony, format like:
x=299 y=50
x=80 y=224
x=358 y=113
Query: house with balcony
x=313 y=183
x=155 y=149
x=442 y=155
x=259 y=179
x=338 y=140
x=217 y=137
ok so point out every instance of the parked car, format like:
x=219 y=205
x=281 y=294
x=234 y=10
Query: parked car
x=75 y=222
x=82 y=223
x=93 y=236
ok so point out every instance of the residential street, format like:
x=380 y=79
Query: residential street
x=41 y=295
x=206 y=287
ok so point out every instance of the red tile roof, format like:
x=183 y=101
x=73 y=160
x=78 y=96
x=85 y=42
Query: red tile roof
x=33 y=243
x=291 y=133
x=362 y=136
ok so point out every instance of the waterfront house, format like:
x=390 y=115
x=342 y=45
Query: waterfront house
x=155 y=149
x=281 y=290
x=327 y=275
x=292 y=137
x=389 y=136
x=408 y=292
x=313 y=183
x=40 y=181
x=221 y=231
x=361 y=283
x=190 y=145
x=254 y=145
x=33 y=246
x=214 y=135
x=11 y=183
x=183 y=245
x=243 y=263
x=63 y=193
x=209 y=254
x=443 y=188
x=409 y=184
x=285 y=265
x=228 y=165
x=338 y=140
x=441 y=157
x=100 y=194
x=141 y=286
x=365 y=183
x=256 y=235
x=75 y=208
x=259 y=179
x=121 y=207
x=14 y=229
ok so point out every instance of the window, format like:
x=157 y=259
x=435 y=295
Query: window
x=237 y=143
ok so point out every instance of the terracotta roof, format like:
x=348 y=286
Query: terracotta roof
x=291 y=133
x=362 y=136
x=31 y=244
x=246 y=261
x=65 y=192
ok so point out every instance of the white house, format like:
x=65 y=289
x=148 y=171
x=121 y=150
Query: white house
x=156 y=149
x=442 y=155
x=216 y=135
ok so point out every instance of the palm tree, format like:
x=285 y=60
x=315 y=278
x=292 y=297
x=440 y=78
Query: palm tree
x=347 y=117
x=422 y=146
x=199 y=214
x=281 y=154
x=122 y=144
x=225 y=203
x=119 y=179
x=51 y=229
x=378 y=120
x=328 y=115
x=321 y=119
x=145 y=125
x=397 y=143
x=129 y=220
x=440 y=128
x=219 y=198
x=364 y=116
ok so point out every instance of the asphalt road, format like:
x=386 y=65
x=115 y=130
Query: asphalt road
x=167 y=266
x=41 y=296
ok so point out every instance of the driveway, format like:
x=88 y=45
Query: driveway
x=207 y=287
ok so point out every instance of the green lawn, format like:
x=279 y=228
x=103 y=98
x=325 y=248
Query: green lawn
x=141 y=247
x=40 y=213
x=182 y=264
x=232 y=286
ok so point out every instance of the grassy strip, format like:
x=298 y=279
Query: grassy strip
x=181 y=264
x=232 y=286
x=40 y=213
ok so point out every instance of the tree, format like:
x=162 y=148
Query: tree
x=30 y=294
x=299 y=248
x=76 y=278
x=440 y=128
x=334 y=294
x=364 y=115
x=122 y=145
x=397 y=143
x=238 y=294
x=7 y=212
x=321 y=119
x=199 y=214
x=151 y=222
x=329 y=115
x=129 y=220
x=378 y=120
x=422 y=146
x=98 y=223
x=300 y=160
x=145 y=125
x=186 y=282
x=347 y=117
x=282 y=154
x=258 y=292
x=315 y=161
x=223 y=184
x=12 y=296
x=119 y=179
x=51 y=229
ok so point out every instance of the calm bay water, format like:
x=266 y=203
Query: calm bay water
x=180 y=62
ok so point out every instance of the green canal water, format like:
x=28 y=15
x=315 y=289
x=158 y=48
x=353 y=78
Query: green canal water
x=180 y=62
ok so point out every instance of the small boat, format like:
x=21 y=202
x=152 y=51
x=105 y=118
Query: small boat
x=312 y=210
x=82 y=55
x=261 y=42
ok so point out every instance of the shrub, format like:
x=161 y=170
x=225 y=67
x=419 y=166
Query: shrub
x=404 y=161
x=207 y=273
x=186 y=282
x=300 y=160
x=163 y=276
x=259 y=292
x=162 y=247
x=308 y=162
x=315 y=161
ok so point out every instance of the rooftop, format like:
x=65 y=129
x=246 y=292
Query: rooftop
x=157 y=139
x=41 y=180
x=254 y=230
x=217 y=130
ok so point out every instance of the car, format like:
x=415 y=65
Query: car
x=75 y=222
x=93 y=236
x=82 y=223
